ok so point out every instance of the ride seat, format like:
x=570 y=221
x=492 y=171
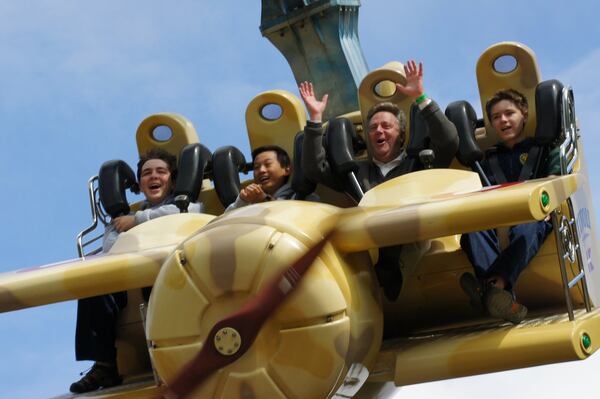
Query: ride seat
x=228 y=162
x=301 y=185
x=194 y=164
x=114 y=178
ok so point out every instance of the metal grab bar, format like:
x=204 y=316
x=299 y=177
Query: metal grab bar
x=568 y=148
x=569 y=249
x=97 y=214
x=565 y=230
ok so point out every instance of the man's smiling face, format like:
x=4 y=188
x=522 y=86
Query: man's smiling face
x=385 y=139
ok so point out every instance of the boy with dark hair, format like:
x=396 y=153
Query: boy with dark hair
x=156 y=174
x=95 y=333
x=498 y=259
x=271 y=169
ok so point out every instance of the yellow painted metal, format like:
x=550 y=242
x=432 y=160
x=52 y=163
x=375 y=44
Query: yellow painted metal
x=333 y=319
x=183 y=133
x=79 y=279
x=524 y=78
x=535 y=342
x=444 y=213
x=281 y=131
x=133 y=262
x=227 y=341
x=415 y=188
x=167 y=230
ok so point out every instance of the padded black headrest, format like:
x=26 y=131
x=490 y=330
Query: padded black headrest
x=114 y=178
x=340 y=148
x=193 y=161
x=462 y=114
x=300 y=183
x=418 y=133
x=548 y=104
x=227 y=163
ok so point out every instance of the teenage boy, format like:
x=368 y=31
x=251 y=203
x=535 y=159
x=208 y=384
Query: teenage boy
x=497 y=268
x=95 y=333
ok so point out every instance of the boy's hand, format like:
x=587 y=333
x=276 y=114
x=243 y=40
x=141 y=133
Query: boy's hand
x=124 y=223
x=253 y=193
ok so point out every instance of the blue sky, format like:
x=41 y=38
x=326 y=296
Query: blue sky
x=77 y=77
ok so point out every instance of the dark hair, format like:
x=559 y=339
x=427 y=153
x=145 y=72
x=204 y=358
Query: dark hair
x=518 y=99
x=282 y=155
x=158 y=153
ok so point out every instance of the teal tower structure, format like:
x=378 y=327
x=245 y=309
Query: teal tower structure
x=319 y=39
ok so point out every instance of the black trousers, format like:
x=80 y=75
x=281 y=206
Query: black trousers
x=95 y=333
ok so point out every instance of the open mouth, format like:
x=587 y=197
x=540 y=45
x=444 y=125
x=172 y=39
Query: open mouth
x=380 y=141
x=155 y=186
x=263 y=179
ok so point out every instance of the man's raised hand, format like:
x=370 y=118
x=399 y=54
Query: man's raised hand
x=313 y=105
x=414 y=80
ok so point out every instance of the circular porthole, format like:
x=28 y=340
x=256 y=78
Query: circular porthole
x=271 y=112
x=505 y=63
x=385 y=88
x=162 y=133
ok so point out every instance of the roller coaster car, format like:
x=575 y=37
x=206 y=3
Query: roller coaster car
x=334 y=330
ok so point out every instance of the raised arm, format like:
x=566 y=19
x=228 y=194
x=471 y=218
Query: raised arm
x=314 y=160
x=443 y=134
x=414 y=80
x=313 y=105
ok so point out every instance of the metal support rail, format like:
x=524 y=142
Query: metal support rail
x=568 y=148
x=586 y=293
x=565 y=229
x=96 y=214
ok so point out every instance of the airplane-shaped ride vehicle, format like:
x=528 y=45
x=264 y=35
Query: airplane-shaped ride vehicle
x=280 y=299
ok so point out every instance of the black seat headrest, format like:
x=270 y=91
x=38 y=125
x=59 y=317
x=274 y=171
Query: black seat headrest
x=342 y=144
x=192 y=164
x=418 y=133
x=341 y=137
x=300 y=183
x=548 y=104
x=227 y=163
x=462 y=114
x=114 y=178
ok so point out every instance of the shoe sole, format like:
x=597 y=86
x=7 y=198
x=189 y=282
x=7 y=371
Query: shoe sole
x=500 y=304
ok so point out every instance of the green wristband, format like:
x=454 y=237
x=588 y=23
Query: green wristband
x=421 y=98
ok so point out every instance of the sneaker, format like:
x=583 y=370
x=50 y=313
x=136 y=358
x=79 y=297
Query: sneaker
x=101 y=375
x=474 y=290
x=501 y=304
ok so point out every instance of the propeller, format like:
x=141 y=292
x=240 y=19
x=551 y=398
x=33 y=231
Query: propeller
x=231 y=337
